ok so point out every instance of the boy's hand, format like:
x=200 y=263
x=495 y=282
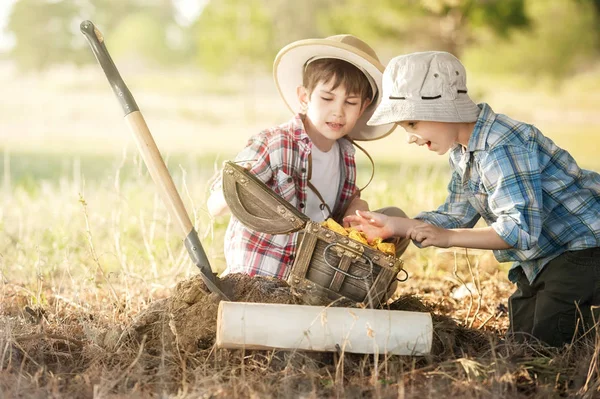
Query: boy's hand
x=371 y=223
x=430 y=236
x=356 y=205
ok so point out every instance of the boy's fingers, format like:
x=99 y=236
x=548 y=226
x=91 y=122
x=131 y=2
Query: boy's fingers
x=350 y=219
x=360 y=213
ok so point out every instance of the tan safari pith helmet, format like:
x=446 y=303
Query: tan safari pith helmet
x=291 y=60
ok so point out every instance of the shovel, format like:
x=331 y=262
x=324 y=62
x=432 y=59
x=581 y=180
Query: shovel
x=152 y=158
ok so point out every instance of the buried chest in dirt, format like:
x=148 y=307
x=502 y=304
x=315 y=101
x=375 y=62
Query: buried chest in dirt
x=328 y=265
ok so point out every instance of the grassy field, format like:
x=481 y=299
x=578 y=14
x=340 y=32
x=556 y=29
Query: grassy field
x=86 y=246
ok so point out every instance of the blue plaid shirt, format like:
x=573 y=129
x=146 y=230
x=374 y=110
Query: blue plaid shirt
x=531 y=192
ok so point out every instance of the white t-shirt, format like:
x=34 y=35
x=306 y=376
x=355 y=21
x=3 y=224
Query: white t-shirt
x=326 y=178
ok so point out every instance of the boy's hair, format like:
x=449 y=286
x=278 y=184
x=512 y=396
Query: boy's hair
x=343 y=72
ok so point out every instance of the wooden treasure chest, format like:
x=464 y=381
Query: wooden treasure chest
x=328 y=265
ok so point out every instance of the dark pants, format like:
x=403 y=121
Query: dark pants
x=560 y=301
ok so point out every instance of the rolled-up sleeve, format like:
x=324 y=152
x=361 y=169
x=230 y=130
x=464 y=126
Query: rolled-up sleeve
x=256 y=154
x=456 y=212
x=511 y=176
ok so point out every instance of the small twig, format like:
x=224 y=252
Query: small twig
x=476 y=282
x=74 y=341
x=147 y=245
x=189 y=196
x=455 y=272
x=485 y=321
x=126 y=372
x=93 y=249
x=594 y=368
x=70 y=302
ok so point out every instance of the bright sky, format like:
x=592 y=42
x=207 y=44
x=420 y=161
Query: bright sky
x=5 y=40
x=188 y=10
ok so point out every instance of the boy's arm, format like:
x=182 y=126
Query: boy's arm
x=216 y=204
x=428 y=235
x=512 y=177
x=379 y=225
x=425 y=234
x=456 y=211
x=255 y=157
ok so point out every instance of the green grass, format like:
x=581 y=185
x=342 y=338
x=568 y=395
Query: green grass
x=57 y=207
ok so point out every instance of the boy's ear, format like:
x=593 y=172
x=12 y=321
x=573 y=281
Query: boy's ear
x=303 y=97
x=365 y=105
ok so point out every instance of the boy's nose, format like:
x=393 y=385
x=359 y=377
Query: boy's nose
x=415 y=139
x=338 y=110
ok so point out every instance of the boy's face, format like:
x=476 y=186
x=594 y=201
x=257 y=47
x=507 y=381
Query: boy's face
x=331 y=113
x=437 y=136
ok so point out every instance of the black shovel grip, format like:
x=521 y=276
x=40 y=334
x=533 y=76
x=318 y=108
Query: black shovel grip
x=96 y=40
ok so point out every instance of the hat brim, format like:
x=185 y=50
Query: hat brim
x=288 y=69
x=462 y=109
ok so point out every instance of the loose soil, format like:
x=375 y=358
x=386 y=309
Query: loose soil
x=167 y=349
x=187 y=320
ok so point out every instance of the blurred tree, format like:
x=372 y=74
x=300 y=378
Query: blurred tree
x=233 y=34
x=139 y=29
x=47 y=31
x=44 y=33
x=296 y=20
x=448 y=25
x=595 y=6
x=563 y=39
x=137 y=38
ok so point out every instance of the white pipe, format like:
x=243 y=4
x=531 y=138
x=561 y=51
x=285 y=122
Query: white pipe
x=319 y=328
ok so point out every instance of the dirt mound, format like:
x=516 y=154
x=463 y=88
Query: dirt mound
x=186 y=321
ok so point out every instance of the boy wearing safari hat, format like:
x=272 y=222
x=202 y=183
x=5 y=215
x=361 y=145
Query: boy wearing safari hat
x=542 y=211
x=332 y=86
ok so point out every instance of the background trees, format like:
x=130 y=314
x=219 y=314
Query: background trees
x=553 y=37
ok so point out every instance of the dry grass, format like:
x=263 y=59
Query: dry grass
x=77 y=272
x=77 y=349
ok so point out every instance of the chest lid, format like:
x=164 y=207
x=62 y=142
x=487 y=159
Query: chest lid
x=256 y=205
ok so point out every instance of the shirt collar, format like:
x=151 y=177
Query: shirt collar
x=300 y=134
x=482 y=128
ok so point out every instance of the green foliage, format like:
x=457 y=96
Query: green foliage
x=502 y=17
x=47 y=32
x=44 y=33
x=547 y=49
x=233 y=34
x=136 y=36
x=443 y=24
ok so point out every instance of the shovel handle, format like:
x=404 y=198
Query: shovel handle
x=151 y=156
x=96 y=41
x=143 y=138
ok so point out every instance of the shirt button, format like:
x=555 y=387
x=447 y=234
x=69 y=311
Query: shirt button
x=303 y=170
x=289 y=180
x=301 y=205
x=291 y=257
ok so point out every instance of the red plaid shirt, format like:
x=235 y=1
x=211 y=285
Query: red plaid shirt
x=279 y=158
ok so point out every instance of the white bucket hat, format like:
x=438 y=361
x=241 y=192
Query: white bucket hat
x=427 y=86
x=290 y=62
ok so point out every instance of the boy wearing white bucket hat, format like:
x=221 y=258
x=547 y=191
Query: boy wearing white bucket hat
x=332 y=86
x=542 y=210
